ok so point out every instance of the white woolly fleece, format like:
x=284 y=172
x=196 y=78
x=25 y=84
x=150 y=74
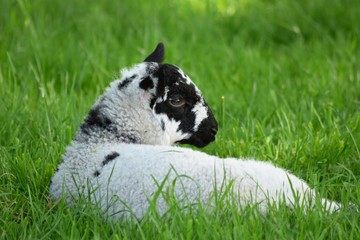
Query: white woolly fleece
x=132 y=177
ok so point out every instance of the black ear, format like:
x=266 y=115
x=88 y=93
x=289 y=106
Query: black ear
x=157 y=55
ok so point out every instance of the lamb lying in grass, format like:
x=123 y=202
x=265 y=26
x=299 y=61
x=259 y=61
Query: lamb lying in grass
x=121 y=157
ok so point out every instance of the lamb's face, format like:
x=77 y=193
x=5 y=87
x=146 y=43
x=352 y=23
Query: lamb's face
x=180 y=108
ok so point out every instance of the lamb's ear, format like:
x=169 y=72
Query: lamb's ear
x=157 y=55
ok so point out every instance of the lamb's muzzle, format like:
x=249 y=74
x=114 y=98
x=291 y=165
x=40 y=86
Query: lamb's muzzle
x=205 y=134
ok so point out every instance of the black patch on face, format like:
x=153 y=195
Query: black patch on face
x=110 y=157
x=183 y=115
x=96 y=173
x=95 y=119
x=146 y=83
x=126 y=82
x=205 y=134
x=169 y=75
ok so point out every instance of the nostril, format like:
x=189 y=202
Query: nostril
x=214 y=130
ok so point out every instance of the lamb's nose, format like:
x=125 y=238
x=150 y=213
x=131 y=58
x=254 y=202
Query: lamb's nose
x=214 y=130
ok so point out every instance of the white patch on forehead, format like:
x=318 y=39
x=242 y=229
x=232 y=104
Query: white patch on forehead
x=181 y=73
x=201 y=113
x=166 y=91
x=187 y=79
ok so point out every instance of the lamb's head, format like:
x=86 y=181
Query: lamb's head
x=179 y=106
x=167 y=104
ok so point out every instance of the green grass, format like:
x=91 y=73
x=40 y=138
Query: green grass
x=288 y=72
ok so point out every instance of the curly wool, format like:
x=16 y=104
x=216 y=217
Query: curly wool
x=134 y=172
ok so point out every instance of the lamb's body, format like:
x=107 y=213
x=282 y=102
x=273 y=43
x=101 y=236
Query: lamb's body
x=134 y=173
x=116 y=154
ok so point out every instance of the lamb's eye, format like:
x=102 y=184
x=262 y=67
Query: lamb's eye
x=176 y=101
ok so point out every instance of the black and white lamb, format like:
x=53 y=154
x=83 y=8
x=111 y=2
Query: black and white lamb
x=122 y=153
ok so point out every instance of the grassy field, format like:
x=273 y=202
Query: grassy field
x=288 y=73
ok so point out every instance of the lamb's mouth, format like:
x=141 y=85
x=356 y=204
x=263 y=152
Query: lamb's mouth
x=201 y=139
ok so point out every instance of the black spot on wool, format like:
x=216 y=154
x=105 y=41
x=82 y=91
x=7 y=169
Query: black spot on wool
x=96 y=173
x=126 y=82
x=146 y=83
x=123 y=137
x=162 y=125
x=95 y=119
x=110 y=157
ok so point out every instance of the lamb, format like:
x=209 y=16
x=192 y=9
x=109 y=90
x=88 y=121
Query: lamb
x=122 y=154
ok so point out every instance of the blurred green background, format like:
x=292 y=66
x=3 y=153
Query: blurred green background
x=288 y=73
